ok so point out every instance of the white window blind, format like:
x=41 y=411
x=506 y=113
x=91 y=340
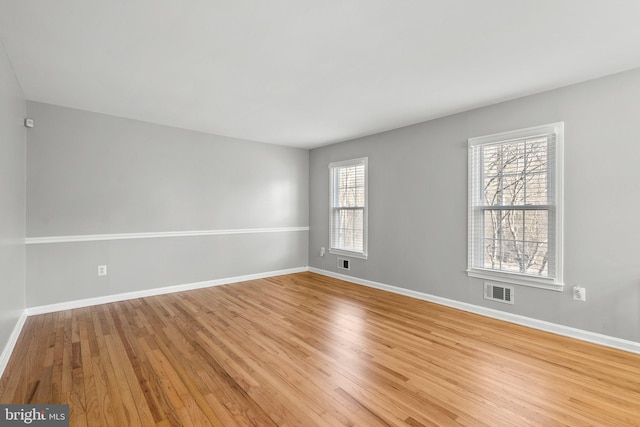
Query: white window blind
x=348 y=207
x=515 y=215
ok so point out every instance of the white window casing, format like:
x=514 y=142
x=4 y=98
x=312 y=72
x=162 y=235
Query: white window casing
x=515 y=215
x=348 y=207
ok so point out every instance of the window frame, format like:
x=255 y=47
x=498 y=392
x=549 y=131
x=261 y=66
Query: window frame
x=556 y=215
x=365 y=220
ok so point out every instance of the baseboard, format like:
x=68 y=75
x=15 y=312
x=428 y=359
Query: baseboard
x=42 y=309
x=13 y=339
x=592 y=337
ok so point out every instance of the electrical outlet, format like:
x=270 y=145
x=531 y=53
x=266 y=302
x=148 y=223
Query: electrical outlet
x=102 y=270
x=579 y=294
x=321 y=251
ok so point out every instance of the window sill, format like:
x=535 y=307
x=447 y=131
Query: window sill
x=348 y=253
x=516 y=279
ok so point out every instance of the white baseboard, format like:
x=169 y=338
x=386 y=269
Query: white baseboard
x=605 y=340
x=42 y=309
x=592 y=337
x=11 y=343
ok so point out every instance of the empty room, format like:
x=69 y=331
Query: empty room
x=289 y=213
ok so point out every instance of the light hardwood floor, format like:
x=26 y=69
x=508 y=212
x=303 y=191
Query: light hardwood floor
x=306 y=350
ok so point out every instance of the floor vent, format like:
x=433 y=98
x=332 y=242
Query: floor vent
x=343 y=263
x=500 y=293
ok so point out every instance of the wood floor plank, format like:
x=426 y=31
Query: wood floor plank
x=91 y=398
x=305 y=349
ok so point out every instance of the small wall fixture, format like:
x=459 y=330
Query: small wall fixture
x=343 y=263
x=28 y=123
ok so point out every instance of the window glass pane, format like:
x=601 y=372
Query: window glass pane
x=492 y=191
x=536 y=226
x=492 y=224
x=504 y=224
x=515 y=173
x=349 y=229
x=513 y=225
x=512 y=254
x=492 y=160
x=536 y=189
x=515 y=240
x=360 y=196
x=537 y=150
x=491 y=257
x=536 y=259
x=350 y=186
x=358 y=230
x=512 y=158
x=513 y=189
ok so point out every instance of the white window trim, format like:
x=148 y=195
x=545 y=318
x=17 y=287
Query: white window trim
x=555 y=283
x=365 y=238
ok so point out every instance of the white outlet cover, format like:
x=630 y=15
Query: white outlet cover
x=102 y=270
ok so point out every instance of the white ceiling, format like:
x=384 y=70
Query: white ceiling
x=305 y=73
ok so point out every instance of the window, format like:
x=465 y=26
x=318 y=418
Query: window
x=348 y=204
x=515 y=206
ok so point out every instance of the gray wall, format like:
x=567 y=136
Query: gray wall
x=91 y=174
x=418 y=204
x=12 y=199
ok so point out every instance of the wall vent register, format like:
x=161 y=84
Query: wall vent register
x=344 y=264
x=500 y=293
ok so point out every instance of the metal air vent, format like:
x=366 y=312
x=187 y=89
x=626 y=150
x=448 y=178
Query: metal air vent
x=500 y=293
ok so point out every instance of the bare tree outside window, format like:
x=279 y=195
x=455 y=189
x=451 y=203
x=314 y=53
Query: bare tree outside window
x=516 y=206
